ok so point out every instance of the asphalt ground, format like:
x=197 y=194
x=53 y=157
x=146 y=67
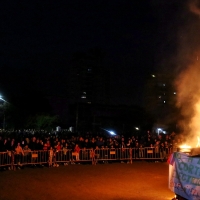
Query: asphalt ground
x=139 y=181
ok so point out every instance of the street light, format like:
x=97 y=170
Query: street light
x=4 y=117
x=3 y=99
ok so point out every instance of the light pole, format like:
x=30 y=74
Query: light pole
x=4 y=117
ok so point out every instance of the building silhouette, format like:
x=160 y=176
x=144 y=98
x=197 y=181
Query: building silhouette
x=89 y=79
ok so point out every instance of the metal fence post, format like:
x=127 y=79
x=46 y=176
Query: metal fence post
x=12 y=160
x=130 y=151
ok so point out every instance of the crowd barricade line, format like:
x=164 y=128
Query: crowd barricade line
x=85 y=155
x=69 y=156
x=151 y=153
x=112 y=154
x=12 y=159
x=63 y=156
x=30 y=158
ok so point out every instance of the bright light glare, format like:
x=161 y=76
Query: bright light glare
x=185 y=146
x=111 y=132
x=2 y=99
x=136 y=128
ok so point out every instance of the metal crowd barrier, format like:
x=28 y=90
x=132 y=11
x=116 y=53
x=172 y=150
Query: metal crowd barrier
x=6 y=159
x=31 y=157
x=12 y=159
x=106 y=154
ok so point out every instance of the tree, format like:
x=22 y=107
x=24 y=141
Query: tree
x=46 y=122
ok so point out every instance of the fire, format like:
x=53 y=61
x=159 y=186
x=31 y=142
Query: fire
x=188 y=93
x=198 y=141
x=185 y=146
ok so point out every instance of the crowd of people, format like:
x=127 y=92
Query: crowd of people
x=43 y=140
x=31 y=140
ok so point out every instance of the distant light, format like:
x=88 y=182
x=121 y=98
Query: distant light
x=159 y=97
x=163 y=101
x=83 y=97
x=111 y=132
x=3 y=99
x=174 y=92
x=163 y=84
x=164 y=132
x=159 y=130
x=84 y=92
x=153 y=75
x=137 y=128
x=89 y=102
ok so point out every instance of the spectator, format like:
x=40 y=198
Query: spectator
x=38 y=145
x=93 y=143
x=19 y=152
x=51 y=155
x=100 y=142
x=86 y=144
x=33 y=145
x=157 y=149
x=77 y=151
x=27 y=154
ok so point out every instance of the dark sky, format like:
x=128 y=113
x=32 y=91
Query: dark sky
x=38 y=38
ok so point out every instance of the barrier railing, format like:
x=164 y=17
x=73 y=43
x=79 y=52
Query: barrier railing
x=106 y=154
x=6 y=158
x=12 y=159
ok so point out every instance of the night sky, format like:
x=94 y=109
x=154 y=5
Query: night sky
x=38 y=39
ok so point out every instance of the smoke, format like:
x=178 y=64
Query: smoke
x=194 y=7
x=187 y=82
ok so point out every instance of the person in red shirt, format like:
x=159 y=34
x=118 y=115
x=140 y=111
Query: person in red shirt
x=58 y=146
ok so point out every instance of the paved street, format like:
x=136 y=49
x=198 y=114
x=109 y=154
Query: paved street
x=140 y=180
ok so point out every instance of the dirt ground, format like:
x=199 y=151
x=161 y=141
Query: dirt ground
x=140 y=180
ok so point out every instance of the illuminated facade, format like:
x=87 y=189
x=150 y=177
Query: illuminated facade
x=160 y=98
